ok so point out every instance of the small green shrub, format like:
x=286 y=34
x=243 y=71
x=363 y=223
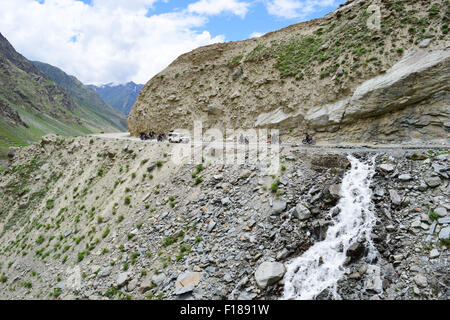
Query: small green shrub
x=275 y=185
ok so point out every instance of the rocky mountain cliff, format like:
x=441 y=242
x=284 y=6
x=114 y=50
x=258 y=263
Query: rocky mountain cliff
x=337 y=77
x=122 y=96
x=33 y=105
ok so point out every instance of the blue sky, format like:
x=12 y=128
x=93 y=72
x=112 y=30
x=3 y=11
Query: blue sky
x=256 y=20
x=102 y=41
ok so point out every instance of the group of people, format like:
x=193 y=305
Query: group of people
x=160 y=137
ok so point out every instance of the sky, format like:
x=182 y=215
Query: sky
x=104 y=41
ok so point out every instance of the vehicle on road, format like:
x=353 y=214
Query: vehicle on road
x=175 y=137
x=308 y=141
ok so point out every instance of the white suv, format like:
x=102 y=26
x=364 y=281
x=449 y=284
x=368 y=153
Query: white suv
x=175 y=137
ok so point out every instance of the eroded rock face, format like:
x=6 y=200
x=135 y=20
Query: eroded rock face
x=10 y=115
x=418 y=76
x=395 y=101
x=404 y=98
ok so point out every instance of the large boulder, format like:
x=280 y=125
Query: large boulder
x=321 y=162
x=48 y=139
x=355 y=251
x=301 y=212
x=433 y=181
x=269 y=273
x=122 y=279
x=12 y=151
x=373 y=281
x=444 y=234
x=186 y=282
x=331 y=194
x=278 y=206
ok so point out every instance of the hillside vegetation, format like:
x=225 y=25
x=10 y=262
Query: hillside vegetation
x=33 y=105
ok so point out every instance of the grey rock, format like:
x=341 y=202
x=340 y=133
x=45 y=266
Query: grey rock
x=374 y=282
x=387 y=167
x=283 y=254
x=334 y=190
x=301 y=212
x=444 y=220
x=395 y=198
x=246 y=296
x=421 y=280
x=67 y=233
x=405 y=177
x=355 y=251
x=122 y=279
x=132 y=285
x=269 y=273
x=440 y=169
x=441 y=157
x=433 y=181
x=104 y=272
x=425 y=43
x=226 y=201
x=290 y=157
x=60 y=285
x=434 y=254
x=158 y=278
x=278 y=206
x=441 y=211
x=379 y=191
x=444 y=234
x=211 y=225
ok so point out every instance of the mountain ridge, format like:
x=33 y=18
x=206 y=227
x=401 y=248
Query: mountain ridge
x=120 y=96
x=29 y=97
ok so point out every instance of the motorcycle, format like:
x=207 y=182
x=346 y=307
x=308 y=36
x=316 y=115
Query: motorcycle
x=306 y=141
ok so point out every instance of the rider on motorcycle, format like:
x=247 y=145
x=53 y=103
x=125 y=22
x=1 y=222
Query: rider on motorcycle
x=308 y=138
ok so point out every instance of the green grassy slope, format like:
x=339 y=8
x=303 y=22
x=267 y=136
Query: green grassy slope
x=93 y=107
x=44 y=106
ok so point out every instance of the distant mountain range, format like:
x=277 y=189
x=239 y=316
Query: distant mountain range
x=83 y=95
x=37 y=99
x=120 y=96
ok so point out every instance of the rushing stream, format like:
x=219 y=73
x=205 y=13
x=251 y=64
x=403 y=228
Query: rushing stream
x=321 y=266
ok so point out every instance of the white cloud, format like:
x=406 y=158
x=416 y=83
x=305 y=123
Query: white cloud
x=115 y=41
x=256 y=34
x=290 y=9
x=214 y=7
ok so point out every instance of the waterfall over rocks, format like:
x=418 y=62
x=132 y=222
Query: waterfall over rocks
x=321 y=266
